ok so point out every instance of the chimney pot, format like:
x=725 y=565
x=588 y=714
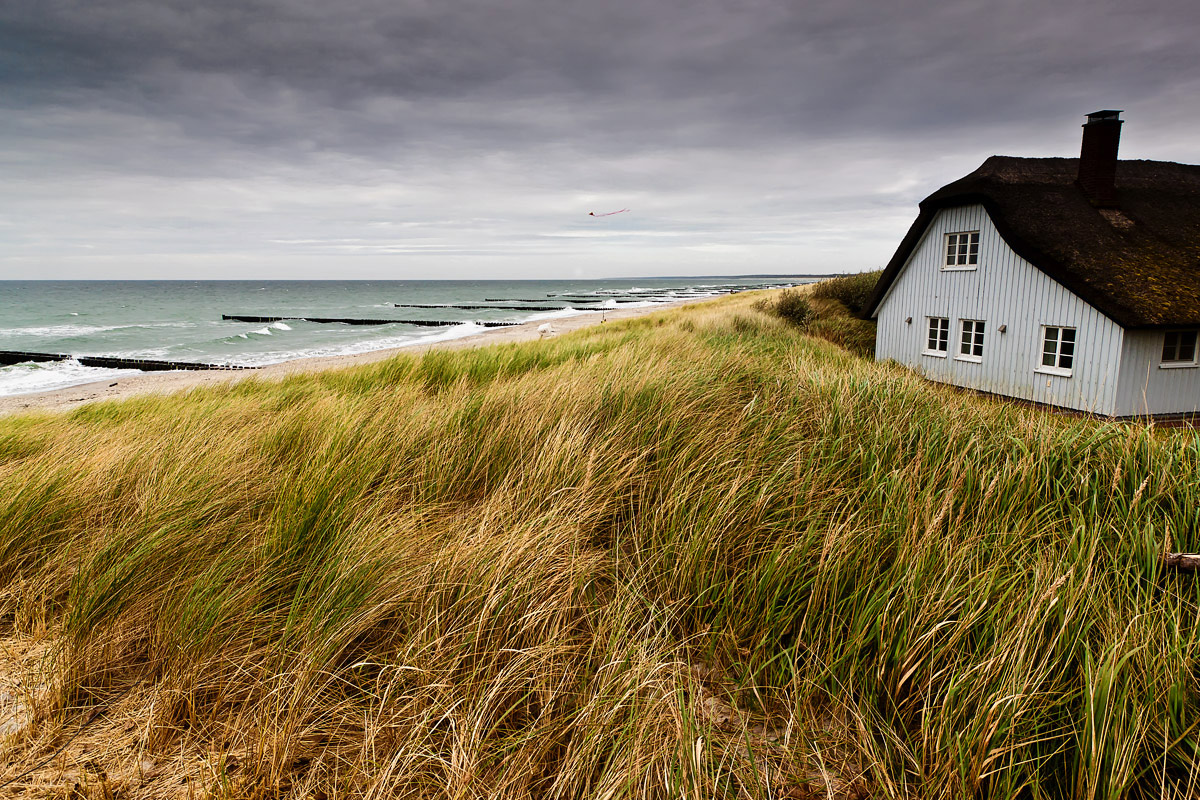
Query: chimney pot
x=1098 y=157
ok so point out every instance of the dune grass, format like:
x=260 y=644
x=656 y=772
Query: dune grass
x=697 y=555
x=828 y=310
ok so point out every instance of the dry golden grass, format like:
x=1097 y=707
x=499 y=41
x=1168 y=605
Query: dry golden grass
x=691 y=555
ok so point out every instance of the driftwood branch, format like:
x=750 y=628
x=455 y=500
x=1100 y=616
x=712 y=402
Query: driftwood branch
x=1184 y=561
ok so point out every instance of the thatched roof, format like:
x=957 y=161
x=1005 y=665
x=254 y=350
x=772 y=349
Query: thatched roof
x=1139 y=264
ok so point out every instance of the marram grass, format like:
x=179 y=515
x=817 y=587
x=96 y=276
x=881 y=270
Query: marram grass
x=692 y=555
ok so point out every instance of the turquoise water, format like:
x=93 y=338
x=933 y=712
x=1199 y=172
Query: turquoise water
x=181 y=320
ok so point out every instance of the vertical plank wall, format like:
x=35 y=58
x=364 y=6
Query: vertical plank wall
x=1007 y=290
x=1146 y=387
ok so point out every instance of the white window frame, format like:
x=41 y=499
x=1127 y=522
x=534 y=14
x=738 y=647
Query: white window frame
x=1164 y=364
x=943 y=337
x=971 y=254
x=1062 y=372
x=978 y=331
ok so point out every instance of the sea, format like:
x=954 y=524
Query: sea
x=187 y=321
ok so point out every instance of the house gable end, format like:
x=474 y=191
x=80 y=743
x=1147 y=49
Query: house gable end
x=993 y=321
x=1042 y=262
x=1138 y=263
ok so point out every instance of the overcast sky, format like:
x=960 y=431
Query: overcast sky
x=470 y=138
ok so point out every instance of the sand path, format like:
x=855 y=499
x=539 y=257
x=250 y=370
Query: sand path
x=167 y=382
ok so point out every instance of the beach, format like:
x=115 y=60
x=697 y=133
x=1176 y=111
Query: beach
x=169 y=382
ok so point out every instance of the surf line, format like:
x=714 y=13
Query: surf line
x=10 y=357
x=500 y=308
x=425 y=323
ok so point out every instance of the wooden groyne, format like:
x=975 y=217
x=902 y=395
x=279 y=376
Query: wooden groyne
x=9 y=357
x=617 y=295
x=424 y=323
x=561 y=299
x=476 y=308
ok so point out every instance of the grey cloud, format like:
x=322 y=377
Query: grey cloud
x=685 y=73
x=177 y=127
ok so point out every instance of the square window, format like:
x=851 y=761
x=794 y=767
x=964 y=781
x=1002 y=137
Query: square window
x=1179 y=347
x=962 y=250
x=1058 y=349
x=938 y=340
x=970 y=344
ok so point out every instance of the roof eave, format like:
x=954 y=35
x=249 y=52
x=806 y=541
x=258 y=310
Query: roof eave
x=928 y=209
x=892 y=270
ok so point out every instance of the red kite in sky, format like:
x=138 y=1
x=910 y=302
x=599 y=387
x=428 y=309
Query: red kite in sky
x=609 y=214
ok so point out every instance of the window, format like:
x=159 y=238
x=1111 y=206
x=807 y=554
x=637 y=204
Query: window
x=1179 y=349
x=970 y=346
x=1058 y=350
x=962 y=250
x=938 y=341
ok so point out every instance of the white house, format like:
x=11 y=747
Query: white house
x=1069 y=282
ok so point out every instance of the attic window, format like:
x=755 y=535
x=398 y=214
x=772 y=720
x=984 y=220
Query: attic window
x=1179 y=349
x=962 y=250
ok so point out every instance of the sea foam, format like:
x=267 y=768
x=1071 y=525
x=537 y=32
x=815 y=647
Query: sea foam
x=46 y=376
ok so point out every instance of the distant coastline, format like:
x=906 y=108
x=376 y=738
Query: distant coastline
x=70 y=397
x=83 y=332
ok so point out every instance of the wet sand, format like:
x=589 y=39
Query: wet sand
x=167 y=382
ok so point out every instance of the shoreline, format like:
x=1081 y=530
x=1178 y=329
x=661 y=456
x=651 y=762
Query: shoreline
x=169 y=382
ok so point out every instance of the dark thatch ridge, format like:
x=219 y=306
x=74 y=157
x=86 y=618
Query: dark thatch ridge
x=1138 y=264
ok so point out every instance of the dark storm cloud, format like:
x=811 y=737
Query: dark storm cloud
x=326 y=114
x=818 y=64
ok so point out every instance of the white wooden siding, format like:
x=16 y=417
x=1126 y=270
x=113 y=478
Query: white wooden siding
x=1147 y=388
x=1005 y=290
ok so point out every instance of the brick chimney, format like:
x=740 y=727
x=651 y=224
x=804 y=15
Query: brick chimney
x=1098 y=157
